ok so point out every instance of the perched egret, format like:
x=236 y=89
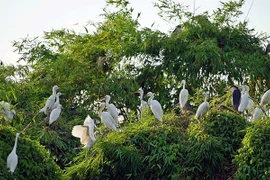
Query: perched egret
x=55 y=114
x=5 y=110
x=106 y=117
x=57 y=101
x=4 y=106
x=258 y=112
x=85 y=132
x=244 y=100
x=265 y=98
x=143 y=104
x=250 y=105
x=183 y=95
x=12 y=159
x=10 y=114
x=236 y=97
x=203 y=108
x=111 y=108
x=155 y=106
x=50 y=101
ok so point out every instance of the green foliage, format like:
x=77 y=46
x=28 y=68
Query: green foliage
x=34 y=161
x=229 y=127
x=204 y=153
x=144 y=150
x=213 y=142
x=253 y=158
x=211 y=52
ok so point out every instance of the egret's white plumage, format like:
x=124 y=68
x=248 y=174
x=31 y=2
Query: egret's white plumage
x=258 y=112
x=85 y=132
x=4 y=106
x=57 y=101
x=5 y=110
x=250 y=105
x=155 y=106
x=183 y=95
x=111 y=108
x=203 y=108
x=265 y=99
x=10 y=114
x=244 y=100
x=12 y=159
x=106 y=117
x=55 y=114
x=143 y=104
x=50 y=101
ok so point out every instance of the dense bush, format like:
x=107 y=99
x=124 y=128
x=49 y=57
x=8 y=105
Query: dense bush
x=172 y=149
x=253 y=159
x=144 y=150
x=229 y=127
x=213 y=142
x=34 y=161
x=204 y=152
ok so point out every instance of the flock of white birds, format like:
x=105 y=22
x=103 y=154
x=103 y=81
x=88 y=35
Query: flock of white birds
x=86 y=133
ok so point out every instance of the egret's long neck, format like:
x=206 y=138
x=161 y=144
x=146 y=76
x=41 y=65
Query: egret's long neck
x=100 y=110
x=54 y=91
x=150 y=99
x=107 y=101
x=205 y=98
x=15 y=144
x=184 y=84
x=141 y=96
x=57 y=100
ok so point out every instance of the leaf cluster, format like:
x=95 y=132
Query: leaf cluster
x=34 y=161
x=252 y=158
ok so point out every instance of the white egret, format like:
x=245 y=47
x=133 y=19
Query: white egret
x=4 y=106
x=10 y=114
x=203 y=108
x=106 y=117
x=111 y=108
x=12 y=159
x=85 y=132
x=236 y=97
x=50 y=101
x=265 y=99
x=155 y=106
x=183 y=95
x=57 y=101
x=55 y=114
x=258 y=112
x=250 y=105
x=244 y=100
x=5 y=110
x=143 y=104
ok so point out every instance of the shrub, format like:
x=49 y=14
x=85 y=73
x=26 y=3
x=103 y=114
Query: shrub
x=203 y=153
x=253 y=159
x=144 y=150
x=34 y=161
x=229 y=127
x=213 y=142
